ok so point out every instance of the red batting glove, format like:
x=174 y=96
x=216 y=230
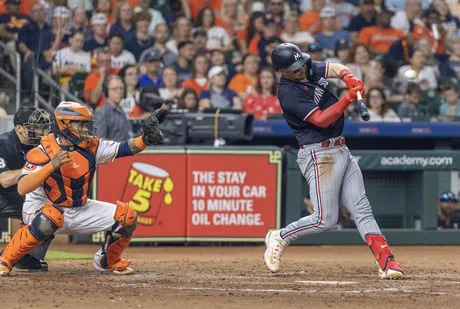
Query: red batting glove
x=351 y=81
x=352 y=94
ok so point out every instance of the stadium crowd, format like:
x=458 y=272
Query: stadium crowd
x=201 y=54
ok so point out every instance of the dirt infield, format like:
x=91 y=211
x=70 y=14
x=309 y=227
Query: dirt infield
x=235 y=277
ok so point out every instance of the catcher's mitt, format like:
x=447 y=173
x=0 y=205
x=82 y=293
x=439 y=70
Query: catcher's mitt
x=151 y=129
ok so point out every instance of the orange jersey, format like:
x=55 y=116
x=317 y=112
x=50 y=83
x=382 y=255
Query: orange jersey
x=308 y=19
x=69 y=185
x=23 y=9
x=421 y=31
x=91 y=82
x=240 y=83
x=192 y=83
x=378 y=38
x=196 y=5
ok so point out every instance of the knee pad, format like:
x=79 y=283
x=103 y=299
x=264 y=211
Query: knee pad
x=126 y=220
x=47 y=222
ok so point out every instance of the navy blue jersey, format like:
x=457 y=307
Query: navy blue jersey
x=299 y=99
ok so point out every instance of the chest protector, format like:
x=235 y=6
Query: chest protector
x=69 y=186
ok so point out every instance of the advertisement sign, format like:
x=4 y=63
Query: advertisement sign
x=196 y=195
x=5 y=230
x=233 y=194
x=155 y=186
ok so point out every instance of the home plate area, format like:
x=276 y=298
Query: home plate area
x=235 y=277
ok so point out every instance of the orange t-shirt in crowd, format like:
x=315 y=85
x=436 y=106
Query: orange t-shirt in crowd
x=23 y=9
x=261 y=105
x=378 y=38
x=254 y=45
x=240 y=83
x=308 y=19
x=421 y=31
x=192 y=83
x=91 y=83
x=196 y=5
x=233 y=31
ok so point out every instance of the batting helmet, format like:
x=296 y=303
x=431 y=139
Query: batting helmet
x=288 y=56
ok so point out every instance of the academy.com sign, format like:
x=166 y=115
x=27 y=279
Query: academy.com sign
x=416 y=161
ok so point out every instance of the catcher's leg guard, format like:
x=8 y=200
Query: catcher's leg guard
x=116 y=240
x=44 y=225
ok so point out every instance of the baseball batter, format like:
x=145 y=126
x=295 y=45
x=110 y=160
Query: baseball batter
x=311 y=108
x=56 y=180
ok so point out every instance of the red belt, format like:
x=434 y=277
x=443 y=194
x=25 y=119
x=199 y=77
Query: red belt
x=327 y=143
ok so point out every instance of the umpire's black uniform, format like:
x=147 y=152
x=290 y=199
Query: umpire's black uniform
x=12 y=157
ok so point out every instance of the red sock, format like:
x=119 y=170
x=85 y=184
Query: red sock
x=379 y=247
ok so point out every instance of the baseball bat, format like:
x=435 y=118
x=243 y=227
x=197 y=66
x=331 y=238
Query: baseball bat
x=362 y=108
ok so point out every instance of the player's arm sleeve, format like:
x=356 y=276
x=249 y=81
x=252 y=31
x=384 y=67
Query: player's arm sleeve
x=33 y=176
x=108 y=151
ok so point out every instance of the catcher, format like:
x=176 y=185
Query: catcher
x=56 y=180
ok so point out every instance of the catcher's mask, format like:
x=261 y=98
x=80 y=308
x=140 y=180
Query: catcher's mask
x=75 y=121
x=36 y=121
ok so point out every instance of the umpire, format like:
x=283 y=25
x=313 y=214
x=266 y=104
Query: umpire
x=30 y=124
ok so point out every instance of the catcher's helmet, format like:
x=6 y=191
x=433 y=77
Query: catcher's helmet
x=288 y=56
x=67 y=112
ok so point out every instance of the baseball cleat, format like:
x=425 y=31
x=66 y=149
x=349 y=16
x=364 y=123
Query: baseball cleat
x=393 y=271
x=31 y=264
x=5 y=269
x=120 y=268
x=275 y=248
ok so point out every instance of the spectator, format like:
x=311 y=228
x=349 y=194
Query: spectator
x=405 y=20
x=182 y=33
x=130 y=103
x=380 y=37
x=316 y=52
x=161 y=35
x=112 y=123
x=330 y=35
x=94 y=82
x=37 y=51
x=424 y=44
x=310 y=21
x=269 y=33
x=10 y=25
x=263 y=102
x=276 y=9
x=254 y=32
x=199 y=79
x=105 y=7
x=231 y=18
x=342 y=56
x=217 y=37
x=183 y=64
x=152 y=64
x=449 y=22
x=118 y=55
x=450 y=103
x=378 y=107
x=292 y=34
x=451 y=66
x=60 y=24
x=142 y=40
x=362 y=66
x=447 y=217
x=200 y=38
x=170 y=89
x=125 y=22
x=188 y=100
x=157 y=17
x=70 y=60
x=219 y=96
x=99 y=27
x=269 y=47
x=49 y=6
x=416 y=72
x=366 y=18
x=410 y=107
x=345 y=12
x=196 y=6
x=431 y=28
x=85 y=5
x=400 y=51
x=245 y=82
x=80 y=23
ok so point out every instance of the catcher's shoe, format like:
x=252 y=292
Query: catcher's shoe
x=392 y=272
x=275 y=248
x=120 y=268
x=5 y=269
x=31 y=264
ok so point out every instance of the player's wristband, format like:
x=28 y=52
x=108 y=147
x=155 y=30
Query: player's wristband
x=344 y=73
x=140 y=143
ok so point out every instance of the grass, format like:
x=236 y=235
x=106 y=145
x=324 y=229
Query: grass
x=59 y=255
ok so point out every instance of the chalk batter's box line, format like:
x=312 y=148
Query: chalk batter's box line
x=190 y=239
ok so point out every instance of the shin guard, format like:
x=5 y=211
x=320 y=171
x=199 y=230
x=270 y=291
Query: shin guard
x=118 y=238
x=379 y=247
